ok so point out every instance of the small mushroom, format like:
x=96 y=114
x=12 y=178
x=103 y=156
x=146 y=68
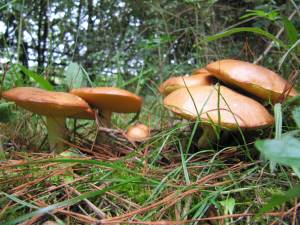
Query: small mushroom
x=108 y=100
x=175 y=83
x=215 y=106
x=138 y=133
x=56 y=106
x=254 y=79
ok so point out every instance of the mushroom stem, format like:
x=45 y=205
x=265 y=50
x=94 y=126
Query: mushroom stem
x=56 y=133
x=208 y=137
x=105 y=121
x=106 y=115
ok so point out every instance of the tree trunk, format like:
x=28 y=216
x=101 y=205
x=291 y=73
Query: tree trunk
x=90 y=34
x=76 y=35
x=42 y=34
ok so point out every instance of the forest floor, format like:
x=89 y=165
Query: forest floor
x=165 y=180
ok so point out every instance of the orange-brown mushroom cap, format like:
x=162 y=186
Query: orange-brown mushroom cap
x=202 y=71
x=255 y=79
x=110 y=98
x=49 y=103
x=209 y=102
x=138 y=132
x=175 y=83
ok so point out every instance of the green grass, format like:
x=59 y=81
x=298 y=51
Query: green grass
x=166 y=178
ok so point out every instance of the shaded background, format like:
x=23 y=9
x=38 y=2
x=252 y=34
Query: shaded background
x=116 y=40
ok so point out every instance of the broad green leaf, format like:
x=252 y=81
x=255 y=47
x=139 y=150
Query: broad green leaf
x=40 y=80
x=74 y=76
x=228 y=205
x=87 y=76
x=284 y=150
x=229 y=32
x=290 y=29
x=279 y=199
x=296 y=116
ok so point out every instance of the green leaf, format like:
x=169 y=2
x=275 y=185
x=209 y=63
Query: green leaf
x=228 y=205
x=284 y=150
x=272 y=15
x=296 y=115
x=290 y=29
x=279 y=199
x=40 y=80
x=74 y=76
x=246 y=29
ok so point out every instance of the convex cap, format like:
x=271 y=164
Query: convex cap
x=201 y=71
x=175 y=83
x=139 y=132
x=209 y=102
x=110 y=98
x=254 y=79
x=49 y=103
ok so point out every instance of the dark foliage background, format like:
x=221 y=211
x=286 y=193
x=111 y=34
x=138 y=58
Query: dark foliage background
x=115 y=40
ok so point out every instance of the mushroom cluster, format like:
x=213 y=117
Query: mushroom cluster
x=80 y=103
x=216 y=105
x=199 y=96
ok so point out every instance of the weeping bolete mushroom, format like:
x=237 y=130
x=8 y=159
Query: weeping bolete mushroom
x=138 y=133
x=217 y=106
x=55 y=106
x=175 y=83
x=253 y=78
x=108 y=100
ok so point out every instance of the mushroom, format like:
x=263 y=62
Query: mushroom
x=109 y=100
x=56 y=106
x=254 y=79
x=215 y=106
x=175 y=83
x=201 y=71
x=138 y=133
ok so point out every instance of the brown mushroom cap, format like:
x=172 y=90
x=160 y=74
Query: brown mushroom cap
x=138 y=132
x=48 y=103
x=175 y=83
x=255 y=79
x=235 y=111
x=201 y=71
x=110 y=98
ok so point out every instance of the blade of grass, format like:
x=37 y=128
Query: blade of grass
x=278 y=130
x=259 y=31
x=69 y=202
